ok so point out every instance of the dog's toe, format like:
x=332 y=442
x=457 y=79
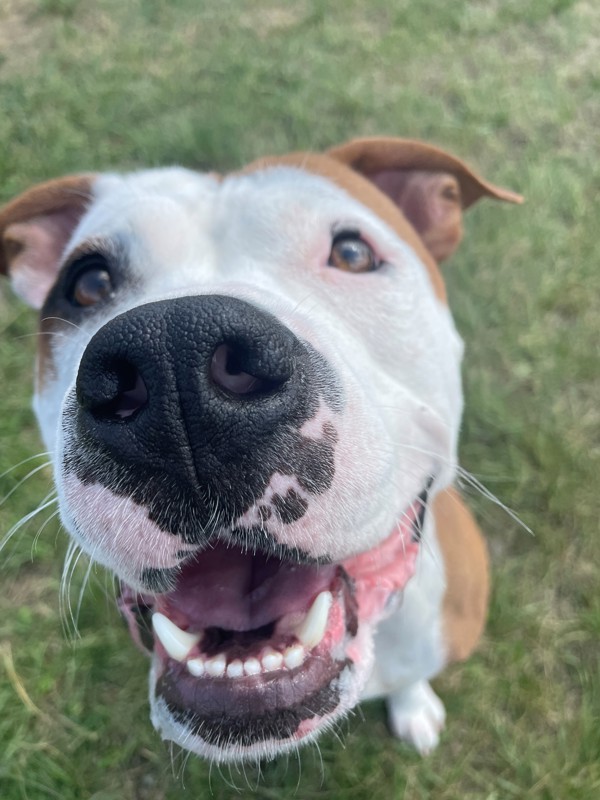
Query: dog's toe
x=417 y=716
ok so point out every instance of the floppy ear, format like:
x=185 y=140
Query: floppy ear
x=430 y=186
x=34 y=231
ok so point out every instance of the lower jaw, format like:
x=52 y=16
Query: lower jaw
x=274 y=711
x=234 y=721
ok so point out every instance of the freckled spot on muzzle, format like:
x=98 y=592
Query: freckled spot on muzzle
x=290 y=507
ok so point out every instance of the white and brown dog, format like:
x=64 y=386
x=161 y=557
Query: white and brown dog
x=250 y=387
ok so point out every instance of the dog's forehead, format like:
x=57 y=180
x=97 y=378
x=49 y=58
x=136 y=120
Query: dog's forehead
x=164 y=207
x=275 y=201
x=180 y=201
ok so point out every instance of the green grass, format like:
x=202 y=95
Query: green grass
x=514 y=88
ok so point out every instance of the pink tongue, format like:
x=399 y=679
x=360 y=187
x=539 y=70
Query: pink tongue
x=227 y=588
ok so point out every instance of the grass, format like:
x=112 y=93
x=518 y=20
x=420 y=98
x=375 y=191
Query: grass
x=511 y=86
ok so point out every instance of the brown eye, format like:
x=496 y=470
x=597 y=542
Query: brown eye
x=352 y=254
x=92 y=284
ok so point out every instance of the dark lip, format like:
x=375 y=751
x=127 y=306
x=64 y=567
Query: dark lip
x=247 y=700
x=420 y=518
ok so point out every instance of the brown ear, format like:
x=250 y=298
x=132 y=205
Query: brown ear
x=34 y=231
x=430 y=186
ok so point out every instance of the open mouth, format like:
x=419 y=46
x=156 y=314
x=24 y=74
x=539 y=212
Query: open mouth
x=249 y=649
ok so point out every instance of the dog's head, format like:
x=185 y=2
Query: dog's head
x=250 y=386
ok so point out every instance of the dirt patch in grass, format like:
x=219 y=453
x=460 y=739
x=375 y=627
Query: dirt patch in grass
x=34 y=589
x=22 y=37
x=265 y=21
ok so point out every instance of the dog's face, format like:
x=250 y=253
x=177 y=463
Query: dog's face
x=250 y=387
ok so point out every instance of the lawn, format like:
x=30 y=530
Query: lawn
x=511 y=86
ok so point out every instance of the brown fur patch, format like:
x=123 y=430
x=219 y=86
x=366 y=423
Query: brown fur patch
x=67 y=197
x=51 y=197
x=467 y=574
x=373 y=154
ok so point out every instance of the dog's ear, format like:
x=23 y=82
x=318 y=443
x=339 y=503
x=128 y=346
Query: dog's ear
x=430 y=186
x=34 y=231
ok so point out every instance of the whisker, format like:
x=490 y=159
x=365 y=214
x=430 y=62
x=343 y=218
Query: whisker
x=300 y=302
x=472 y=481
x=299 y=760
x=82 y=589
x=61 y=334
x=74 y=553
x=44 y=454
x=24 y=520
x=72 y=547
x=66 y=321
x=42 y=527
x=23 y=480
x=489 y=495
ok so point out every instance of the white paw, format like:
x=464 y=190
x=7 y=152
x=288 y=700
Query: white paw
x=417 y=716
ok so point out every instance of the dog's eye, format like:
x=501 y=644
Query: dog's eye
x=92 y=283
x=351 y=253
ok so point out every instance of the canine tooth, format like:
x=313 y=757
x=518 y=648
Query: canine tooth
x=252 y=666
x=235 y=669
x=176 y=642
x=271 y=659
x=312 y=628
x=293 y=656
x=196 y=667
x=215 y=666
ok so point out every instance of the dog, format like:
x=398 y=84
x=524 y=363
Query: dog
x=250 y=387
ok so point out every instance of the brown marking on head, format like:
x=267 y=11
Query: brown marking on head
x=364 y=191
x=418 y=190
x=467 y=575
x=34 y=231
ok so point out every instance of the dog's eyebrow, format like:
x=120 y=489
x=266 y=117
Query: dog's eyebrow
x=96 y=244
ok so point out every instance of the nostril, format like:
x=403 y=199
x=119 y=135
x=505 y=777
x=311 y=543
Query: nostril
x=119 y=395
x=227 y=371
x=132 y=397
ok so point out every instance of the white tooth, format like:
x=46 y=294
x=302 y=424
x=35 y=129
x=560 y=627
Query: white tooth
x=293 y=656
x=215 y=666
x=271 y=659
x=235 y=669
x=252 y=666
x=195 y=667
x=312 y=628
x=176 y=642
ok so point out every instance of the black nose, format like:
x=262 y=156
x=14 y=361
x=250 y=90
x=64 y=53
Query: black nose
x=209 y=357
x=218 y=348
x=197 y=393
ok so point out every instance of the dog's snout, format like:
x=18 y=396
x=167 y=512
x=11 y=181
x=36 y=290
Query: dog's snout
x=195 y=388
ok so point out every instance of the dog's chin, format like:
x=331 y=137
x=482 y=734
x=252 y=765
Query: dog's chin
x=282 y=711
x=253 y=655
